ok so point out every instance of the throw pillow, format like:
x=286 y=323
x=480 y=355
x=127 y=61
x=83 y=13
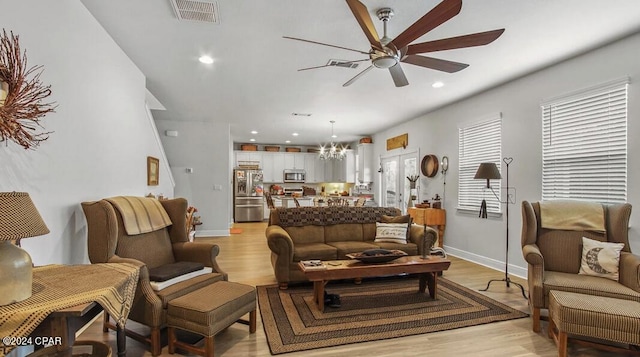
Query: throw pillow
x=399 y=219
x=391 y=232
x=600 y=258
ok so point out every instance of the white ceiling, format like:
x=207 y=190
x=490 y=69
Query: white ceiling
x=254 y=83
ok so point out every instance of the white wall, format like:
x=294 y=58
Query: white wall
x=102 y=135
x=204 y=147
x=519 y=102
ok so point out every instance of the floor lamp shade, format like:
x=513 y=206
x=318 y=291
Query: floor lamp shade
x=19 y=219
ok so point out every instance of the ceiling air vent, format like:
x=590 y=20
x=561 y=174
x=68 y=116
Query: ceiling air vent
x=342 y=63
x=206 y=11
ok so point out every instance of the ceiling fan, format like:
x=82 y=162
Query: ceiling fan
x=388 y=53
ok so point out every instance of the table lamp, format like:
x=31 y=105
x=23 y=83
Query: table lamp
x=19 y=219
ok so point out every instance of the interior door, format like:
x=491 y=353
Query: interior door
x=395 y=186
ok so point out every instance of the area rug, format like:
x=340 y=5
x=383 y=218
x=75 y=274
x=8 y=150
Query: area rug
x=374 y=310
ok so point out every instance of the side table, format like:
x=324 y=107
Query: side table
x=436 y=217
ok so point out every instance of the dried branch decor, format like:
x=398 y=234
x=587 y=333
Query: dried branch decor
x=23 y=107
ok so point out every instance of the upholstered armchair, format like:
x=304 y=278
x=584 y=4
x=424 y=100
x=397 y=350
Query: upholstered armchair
x=110 y=242
x=554 y=255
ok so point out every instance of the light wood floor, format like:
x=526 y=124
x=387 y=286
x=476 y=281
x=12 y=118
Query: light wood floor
x=245 y=257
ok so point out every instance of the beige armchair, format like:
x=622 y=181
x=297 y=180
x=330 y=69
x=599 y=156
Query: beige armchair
x=109 y=242
x=554 y=257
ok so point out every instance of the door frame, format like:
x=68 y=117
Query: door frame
x=402 y=182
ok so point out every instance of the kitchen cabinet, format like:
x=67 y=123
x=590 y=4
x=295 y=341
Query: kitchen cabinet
x=310 y=167
x=294 y=161
x=341 y=170
x=272 y=167
x=365 y=163
x=248 y=158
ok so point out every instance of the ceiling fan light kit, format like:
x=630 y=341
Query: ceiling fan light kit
x=387 y=53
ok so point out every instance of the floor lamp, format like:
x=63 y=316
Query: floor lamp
x=489 y=171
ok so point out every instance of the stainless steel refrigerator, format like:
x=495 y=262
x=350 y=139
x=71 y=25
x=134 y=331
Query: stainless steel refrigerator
x=247 y=197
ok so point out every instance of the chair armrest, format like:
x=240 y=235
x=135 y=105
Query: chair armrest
x=280 y=242
x=420 y=234
x=204 y=253
x=630 y=271
x=532 y=255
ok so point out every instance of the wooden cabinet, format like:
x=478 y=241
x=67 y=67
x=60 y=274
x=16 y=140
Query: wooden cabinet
x=430 y=217
x=365 y=163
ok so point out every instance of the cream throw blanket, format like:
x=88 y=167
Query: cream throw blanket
x=141 y=214
x=572 y=216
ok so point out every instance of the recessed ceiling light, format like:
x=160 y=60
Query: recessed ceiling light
x=254 y=132
x=206 y=59
x=437 y=84
x=287 y=141
x=295 y=134
x=252 y=139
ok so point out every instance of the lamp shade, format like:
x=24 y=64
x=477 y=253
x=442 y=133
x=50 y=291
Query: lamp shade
x=19 y=218
x=489 y=171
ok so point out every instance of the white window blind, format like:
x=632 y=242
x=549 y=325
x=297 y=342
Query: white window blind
x=477 y=143
x=584 y=145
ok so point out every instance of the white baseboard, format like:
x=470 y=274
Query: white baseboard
x=213 y=233
x=488 y=262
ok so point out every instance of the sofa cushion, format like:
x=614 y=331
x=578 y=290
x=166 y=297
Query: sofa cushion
x=309 y=251
x=600 y=258
x=306 y=234
x=409 y=248
x=345 y=248
x=343 y=233
x=398 y=219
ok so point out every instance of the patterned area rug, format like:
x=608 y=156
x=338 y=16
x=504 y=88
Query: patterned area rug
x=376 y=309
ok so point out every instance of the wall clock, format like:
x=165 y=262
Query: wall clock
x=429 y=165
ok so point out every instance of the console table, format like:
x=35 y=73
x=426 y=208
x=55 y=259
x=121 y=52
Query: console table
x=60 y=287
x=435 y=217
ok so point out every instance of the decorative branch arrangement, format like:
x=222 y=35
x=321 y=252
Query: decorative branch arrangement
x=23 y=107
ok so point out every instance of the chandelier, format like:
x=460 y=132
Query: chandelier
x=333 y=152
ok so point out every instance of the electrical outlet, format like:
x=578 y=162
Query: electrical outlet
x=217 y=187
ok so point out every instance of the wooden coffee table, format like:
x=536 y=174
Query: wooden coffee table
x=427 y=269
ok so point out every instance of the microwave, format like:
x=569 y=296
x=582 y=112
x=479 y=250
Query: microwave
x=294 y=176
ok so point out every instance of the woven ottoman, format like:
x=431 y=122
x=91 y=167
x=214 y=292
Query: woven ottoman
x=603 y=318
x=208 y=311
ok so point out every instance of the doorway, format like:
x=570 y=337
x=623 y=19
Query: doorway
x=395 y=185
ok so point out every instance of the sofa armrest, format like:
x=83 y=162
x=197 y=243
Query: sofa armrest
x=630 y=271
x=420 y=234
x=280 y=242
x=535 y=274
x=532 y=255
x=204 y=253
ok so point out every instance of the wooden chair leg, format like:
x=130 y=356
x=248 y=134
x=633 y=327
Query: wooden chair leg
x=562 y=344
x=535 y=317
x=283 y=286
x=156 y=346
x=171 y=337
x=105 y=322
x=252 y=321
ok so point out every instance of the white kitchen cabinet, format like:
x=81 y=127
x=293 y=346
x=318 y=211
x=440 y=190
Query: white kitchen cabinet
x=341 y=170
x=310 y=167
x=268 y=173
x=248 y=158
x=294 y=161
x=320 y=174
x=365 y=163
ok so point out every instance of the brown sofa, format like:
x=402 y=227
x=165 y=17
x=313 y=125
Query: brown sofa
x=554 y=257
x=329 y=233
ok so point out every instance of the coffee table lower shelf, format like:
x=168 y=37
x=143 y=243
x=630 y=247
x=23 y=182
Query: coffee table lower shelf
x=427 y=270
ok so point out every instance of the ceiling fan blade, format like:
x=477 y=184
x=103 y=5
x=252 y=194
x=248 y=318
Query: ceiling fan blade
x=325 y=44
x=472 y=40
x=330 y=65
x=362 y=16
x=349 y=82
x=432 y=19
x=435 y=63
x=398 y=75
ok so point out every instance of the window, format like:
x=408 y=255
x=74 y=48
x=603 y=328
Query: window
x=479 y=142
x=584 y=145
